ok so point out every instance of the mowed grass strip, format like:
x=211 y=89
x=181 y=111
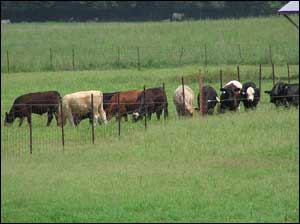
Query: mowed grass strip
x=161 y=44
x=231 y=168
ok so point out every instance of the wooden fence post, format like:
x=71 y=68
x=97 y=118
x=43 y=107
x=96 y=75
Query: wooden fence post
x=288 y=69
x=7 y=59
x=93 y=128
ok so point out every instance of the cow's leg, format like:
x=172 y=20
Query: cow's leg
x=71 y=120
x=29 y=119
x=21 y=121
x=158 y=113
x=125 y=117
x=50 y=117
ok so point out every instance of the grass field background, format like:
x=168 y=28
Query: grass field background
x=229 y=41
x=232 y=167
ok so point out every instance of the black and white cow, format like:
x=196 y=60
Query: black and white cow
x=210 y=98
x=250 y=95
x=284 y=94
x=230 y=96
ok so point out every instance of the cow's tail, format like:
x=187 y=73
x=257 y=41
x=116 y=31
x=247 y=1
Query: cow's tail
x=101 y=110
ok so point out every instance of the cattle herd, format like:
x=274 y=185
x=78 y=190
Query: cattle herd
x=102 y=107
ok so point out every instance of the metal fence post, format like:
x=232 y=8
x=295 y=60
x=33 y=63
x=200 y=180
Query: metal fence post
x=51 y=65
x=221 y=79
x=240 y=53
x=93 y=128
x=62 y=124
x=73 y=59
x=288 y=69
x=165 y=103
x=183 y=96
x=238 y=73
x=205 y=55
x=201 y=96
x=273 y=74
x=259 y=79
x=30 y=130
x=138 y=62
x=118 y=59
x=270 y=52
x=7 y=59
x=119 y=118
x=180 y=56
x=145 y=108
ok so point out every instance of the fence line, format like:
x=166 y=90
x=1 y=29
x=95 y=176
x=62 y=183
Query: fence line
x=172 y=56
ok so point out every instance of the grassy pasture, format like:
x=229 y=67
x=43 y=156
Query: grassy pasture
x=190 y=170
x=161 y=43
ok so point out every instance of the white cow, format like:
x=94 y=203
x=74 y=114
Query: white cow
x=185 y=108
x=80 y=103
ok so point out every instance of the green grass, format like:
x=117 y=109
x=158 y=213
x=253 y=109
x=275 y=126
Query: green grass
x=96 y=44
x=234 y=167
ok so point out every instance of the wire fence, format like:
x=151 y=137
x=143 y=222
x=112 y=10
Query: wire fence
x=32 y=137
x=79 y=58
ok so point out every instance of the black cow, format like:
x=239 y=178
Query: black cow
x=37 y=103
x=250 y=95
x=210 y=99
x=284 y=94
x=156 y=102
x=230 y=96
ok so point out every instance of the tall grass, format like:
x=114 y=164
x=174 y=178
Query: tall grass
x=96 y=45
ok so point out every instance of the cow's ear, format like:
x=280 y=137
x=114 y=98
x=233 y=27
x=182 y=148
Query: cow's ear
x=267 y=91
x=222 y=89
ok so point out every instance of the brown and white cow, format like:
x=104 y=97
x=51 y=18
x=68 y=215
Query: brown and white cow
x=80 y=103
x=186 y=107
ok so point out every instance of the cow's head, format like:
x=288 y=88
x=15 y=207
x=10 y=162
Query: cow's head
x=248 y=94
x=9 y=118
x=277 y=92
x=229 y=98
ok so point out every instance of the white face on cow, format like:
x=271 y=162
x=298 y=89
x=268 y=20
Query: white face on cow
x=250 y=94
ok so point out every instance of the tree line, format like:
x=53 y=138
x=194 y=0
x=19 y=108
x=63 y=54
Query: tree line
x=28 y=11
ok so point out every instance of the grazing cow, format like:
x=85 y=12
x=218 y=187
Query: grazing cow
x=80 y=103
x=106 y=102
x=210 y=98
x=250 y=95
x=37 y=103
x=156 y=102
x=284 y=94
x=230 y=96
x=184 y=107
x=128 y=104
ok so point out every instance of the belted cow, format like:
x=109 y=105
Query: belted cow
x=230 y=96
x=284 y=94
x=155 y=102
x=250 y=95
x=37 y=103
x=184 y=107
x=80 y=103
